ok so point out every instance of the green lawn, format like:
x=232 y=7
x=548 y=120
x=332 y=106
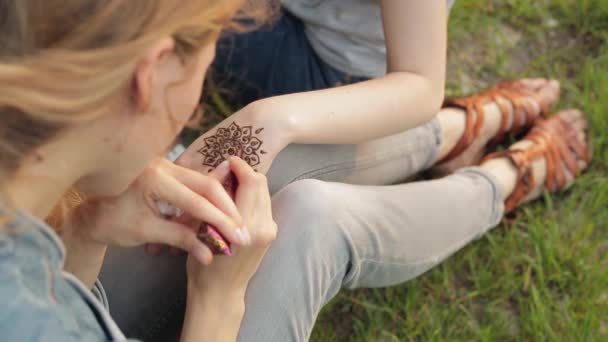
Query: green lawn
x=545 y=275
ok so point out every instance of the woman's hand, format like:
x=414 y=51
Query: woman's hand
x=133 y=218
x=252 y=199
x=216 y=292
x=255 y=134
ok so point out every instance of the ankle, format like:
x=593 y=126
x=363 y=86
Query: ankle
x=504 y=171
x=452 y=122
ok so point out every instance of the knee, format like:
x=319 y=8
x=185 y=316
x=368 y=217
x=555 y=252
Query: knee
x=305 y=200
x=308 y=214
x=303 y=266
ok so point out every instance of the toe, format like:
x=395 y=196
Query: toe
x=571 y=116
x=549 y=92
x=533 y=84
x=577 y=119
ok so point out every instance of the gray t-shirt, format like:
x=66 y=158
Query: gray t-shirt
x=346 y=34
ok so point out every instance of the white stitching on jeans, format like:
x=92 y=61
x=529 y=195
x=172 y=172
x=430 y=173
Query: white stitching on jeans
x=361 y=164
x=377 y=159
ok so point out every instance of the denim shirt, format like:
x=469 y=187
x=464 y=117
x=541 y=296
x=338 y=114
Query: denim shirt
x=39 y=300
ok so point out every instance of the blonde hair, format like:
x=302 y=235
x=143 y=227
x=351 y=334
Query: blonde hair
x=62 y=61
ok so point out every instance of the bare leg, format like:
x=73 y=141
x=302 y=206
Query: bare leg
x=506 y=173
x=452 y=121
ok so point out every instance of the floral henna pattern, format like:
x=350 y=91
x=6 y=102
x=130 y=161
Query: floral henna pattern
x=234 y=140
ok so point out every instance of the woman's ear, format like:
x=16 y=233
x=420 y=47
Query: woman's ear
x=145 y=78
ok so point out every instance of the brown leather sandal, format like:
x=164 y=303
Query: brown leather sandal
x=503 y=93
x=558 y=143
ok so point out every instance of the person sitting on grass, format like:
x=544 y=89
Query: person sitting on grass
x=327 y=100
x=339 y=234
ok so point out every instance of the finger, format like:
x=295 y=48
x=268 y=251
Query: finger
x=210 y=188
x=222 y=172
x=171 y=190
x=253 y=198
x=182 y=237
x=252 y=186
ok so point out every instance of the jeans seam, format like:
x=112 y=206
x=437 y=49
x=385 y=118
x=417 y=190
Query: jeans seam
x=379 y=158
x=497 y=201
x=495 y=212
x=317 y=308
x=368 y=163
x=354 y=259
x=437 y=133
x=453 y=248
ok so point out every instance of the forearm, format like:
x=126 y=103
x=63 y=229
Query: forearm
x=358 y=112
x=410 y=94
x=212 y=316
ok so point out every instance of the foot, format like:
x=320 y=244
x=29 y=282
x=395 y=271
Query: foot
x=453 y=122
x=550 y=157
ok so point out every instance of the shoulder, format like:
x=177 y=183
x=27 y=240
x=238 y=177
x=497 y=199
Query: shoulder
x=37 y=303
x=26 y=316
x=31 y=313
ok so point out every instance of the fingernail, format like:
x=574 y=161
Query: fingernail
x=223 y=167
x=244 y=236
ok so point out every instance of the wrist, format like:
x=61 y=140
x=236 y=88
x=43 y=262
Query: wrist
x=212 y=315
x=226 y=303
x=216 y=293
x=271 y=112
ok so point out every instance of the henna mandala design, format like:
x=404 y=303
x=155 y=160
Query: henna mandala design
x=232 y=141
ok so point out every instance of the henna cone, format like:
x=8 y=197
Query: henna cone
x=209 y=235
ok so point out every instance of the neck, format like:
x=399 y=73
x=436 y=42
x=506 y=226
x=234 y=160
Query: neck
x=43 y=180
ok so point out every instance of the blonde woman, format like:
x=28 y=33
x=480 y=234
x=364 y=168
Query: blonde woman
x=92 y=93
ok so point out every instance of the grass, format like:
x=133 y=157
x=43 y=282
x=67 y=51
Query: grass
x=545 y=275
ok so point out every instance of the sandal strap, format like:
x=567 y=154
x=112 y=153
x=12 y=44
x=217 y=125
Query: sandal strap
x=506 y=95
x=557 y=142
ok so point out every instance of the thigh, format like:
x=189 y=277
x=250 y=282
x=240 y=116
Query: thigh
x=335 y=235
x=385 y=161
x=398 y=232
x=385 y=234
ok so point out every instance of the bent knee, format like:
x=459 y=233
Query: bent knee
x=306 y=199
x=308 y=213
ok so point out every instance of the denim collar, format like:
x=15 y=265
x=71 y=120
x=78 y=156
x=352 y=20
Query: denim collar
x=23 y=225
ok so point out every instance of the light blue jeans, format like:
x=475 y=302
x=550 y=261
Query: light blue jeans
x=361 y=232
